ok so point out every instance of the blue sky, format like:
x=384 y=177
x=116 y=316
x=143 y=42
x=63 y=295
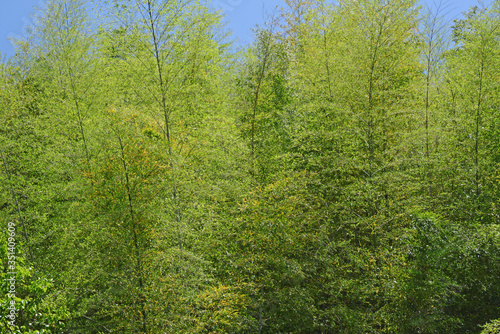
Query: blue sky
x=241 y=15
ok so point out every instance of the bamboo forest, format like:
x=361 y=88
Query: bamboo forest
x=338 y=174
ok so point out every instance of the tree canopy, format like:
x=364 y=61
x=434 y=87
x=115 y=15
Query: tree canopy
x=340 y=174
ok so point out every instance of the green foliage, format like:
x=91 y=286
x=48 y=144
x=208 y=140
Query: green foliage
x=29 y=303
x=272 y=235
x=425 y=283
x=339 y=175
x=492 y=327
x=264 y=96
x=471 y=94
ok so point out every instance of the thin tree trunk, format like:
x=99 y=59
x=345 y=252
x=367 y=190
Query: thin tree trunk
x=255 y=103
x=478 y=123
x=138 y=253
x=166 y=116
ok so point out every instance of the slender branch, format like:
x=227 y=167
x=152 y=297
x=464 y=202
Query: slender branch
x=166 y=113
x=134 y=230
